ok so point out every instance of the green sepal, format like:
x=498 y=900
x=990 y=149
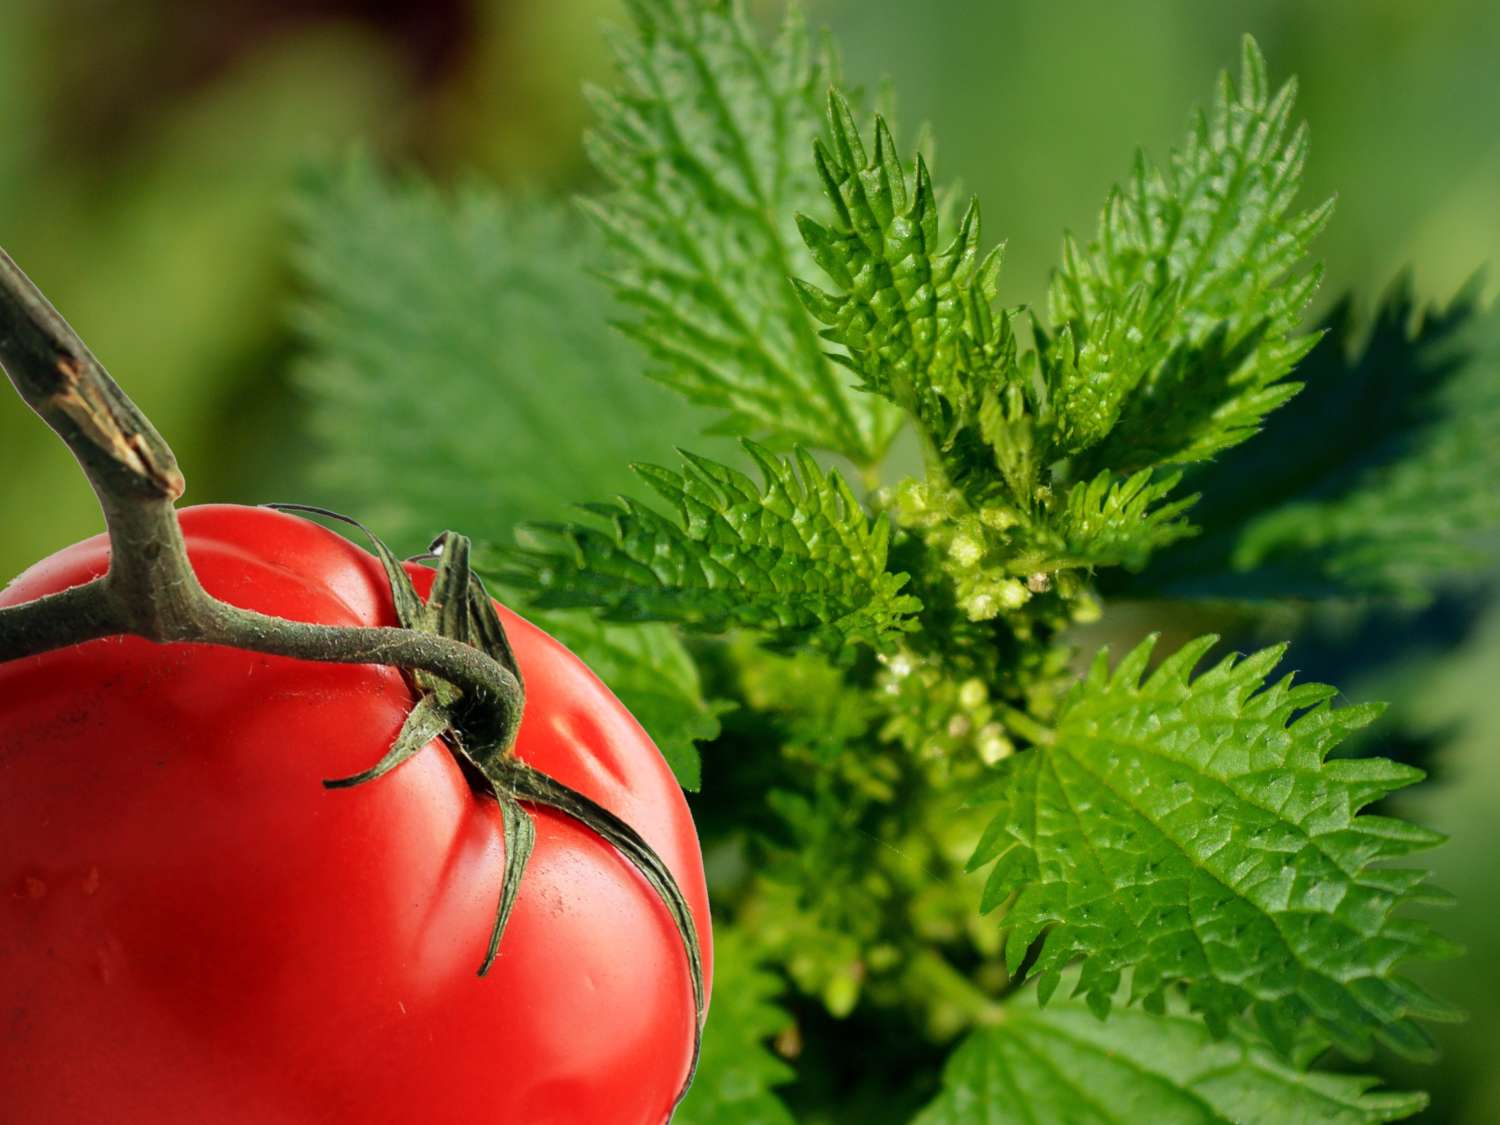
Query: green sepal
x=448 y=602
x=529 y=784
x=410 y=612
x=520 y=841
x=428 y=719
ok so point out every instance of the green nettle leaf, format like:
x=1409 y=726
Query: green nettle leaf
x=736 y=1072
x=1376 y=479
x=1173 y=330
x=1063 y=1064
x=795 y=556
x=913 y=309
x=705 y=149
x=467 y=335
x=1111 y=522
x=914 y=306
x=1190 y=830
x=654 y=676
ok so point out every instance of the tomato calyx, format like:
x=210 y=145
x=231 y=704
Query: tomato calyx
x=481 y=734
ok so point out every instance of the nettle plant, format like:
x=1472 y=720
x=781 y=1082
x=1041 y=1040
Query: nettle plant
x=1136 y=886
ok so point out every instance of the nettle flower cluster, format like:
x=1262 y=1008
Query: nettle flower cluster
x=921 y=801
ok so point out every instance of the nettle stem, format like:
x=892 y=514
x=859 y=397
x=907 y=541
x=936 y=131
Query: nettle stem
x=150 y=589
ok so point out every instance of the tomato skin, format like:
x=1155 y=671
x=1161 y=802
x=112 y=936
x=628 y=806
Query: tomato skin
x=193 y=929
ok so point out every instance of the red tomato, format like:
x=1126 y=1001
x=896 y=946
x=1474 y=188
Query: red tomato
x=195 y=930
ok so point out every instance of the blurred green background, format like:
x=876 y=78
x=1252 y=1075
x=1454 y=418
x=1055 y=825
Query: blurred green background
x=148 y=151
